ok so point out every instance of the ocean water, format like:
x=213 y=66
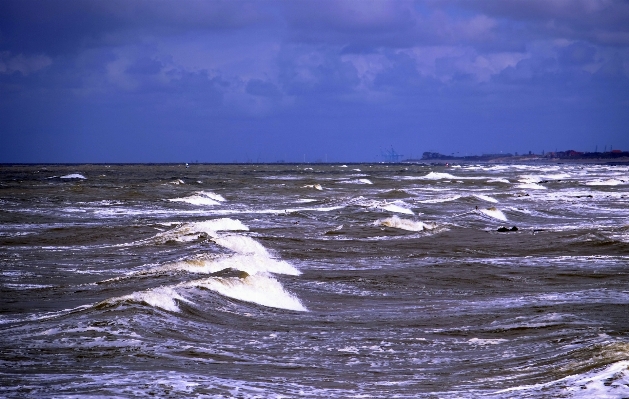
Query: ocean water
x=313 y=280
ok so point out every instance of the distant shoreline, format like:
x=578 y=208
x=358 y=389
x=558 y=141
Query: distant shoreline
x=524 y=160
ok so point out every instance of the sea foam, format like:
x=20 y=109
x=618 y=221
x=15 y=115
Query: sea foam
x=191 y=231
x=610 y=382
x=394 y=206
x=608 y=182
x=201 y=198
x=241 y=244
x=259 y=288
x=161 y=297
x=494 y=213
x=438 y=176
x=73 y=176
x=486 y=198
x=396 y=209
x=405 y=224
x=250 y=264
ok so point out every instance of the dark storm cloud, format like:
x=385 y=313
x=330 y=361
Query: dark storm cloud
x=66 y=26
x=217 y=79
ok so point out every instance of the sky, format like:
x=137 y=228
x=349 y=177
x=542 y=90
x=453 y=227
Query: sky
x=338 y=81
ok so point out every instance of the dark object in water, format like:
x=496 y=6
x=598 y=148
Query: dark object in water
x=230 y=272
x=503 y=229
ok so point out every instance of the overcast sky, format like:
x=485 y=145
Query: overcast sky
x=214 y=81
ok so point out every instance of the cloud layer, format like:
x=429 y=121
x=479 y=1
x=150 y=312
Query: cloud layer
x=136 y=81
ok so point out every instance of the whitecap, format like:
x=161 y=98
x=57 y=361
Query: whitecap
x=357 y=181
x=190 y=231
x=73 y=176
x=315 y=186
x=480 y=341
x=438 y=176
x=241 y=244
x=161 y=297
x=196 y=200
x=498 y=180
x=201 y=198
x=259 y=288
x=442 y=199
x=214 y=196
x=612 y=381
x=533 y=186
x=486 y=198
x=494 y=213
x=405 y=224
x=608 y=182
x=397 y=209
x=249 y=263
x=395 y=206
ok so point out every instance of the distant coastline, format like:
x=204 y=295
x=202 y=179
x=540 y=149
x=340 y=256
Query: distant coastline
x=569 y=156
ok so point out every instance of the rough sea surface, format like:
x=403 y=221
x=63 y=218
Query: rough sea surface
x=313 y=280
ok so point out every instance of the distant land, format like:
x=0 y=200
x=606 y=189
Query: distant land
x=614 y=156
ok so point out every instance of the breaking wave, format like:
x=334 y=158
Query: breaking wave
x=405 y=224
x=201 y=198
x=494 y=213
x=73 y=176
x=161 y=297
x=259 y=288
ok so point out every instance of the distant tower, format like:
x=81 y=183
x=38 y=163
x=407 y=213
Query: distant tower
x=391 y=155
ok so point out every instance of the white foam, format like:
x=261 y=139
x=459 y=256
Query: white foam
x=214 y=196
x=397 y=209
x=438 y=200
x=498 y=180
x=494 y=213
x=190 y=231
x=196 y=200
x=315 y=186
x=241 y=244
x=480 y=341
x=160 y=297
x=608 y=182
x=259 y=288
x=357 y=181
x=404 y=224
x=532 y=186
x=395 y=206
x=486 y=198
x=249 y=263
x=438 y=176
x=73 y=176
x=305 y=200
x=201 y=198
x=610 y=382
x=287 y=210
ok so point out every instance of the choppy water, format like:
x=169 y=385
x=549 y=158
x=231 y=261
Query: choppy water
x=314 y=281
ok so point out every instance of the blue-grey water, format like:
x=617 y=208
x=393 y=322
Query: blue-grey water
x=313 y=280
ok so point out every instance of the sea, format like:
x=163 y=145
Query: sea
x=314 y=281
